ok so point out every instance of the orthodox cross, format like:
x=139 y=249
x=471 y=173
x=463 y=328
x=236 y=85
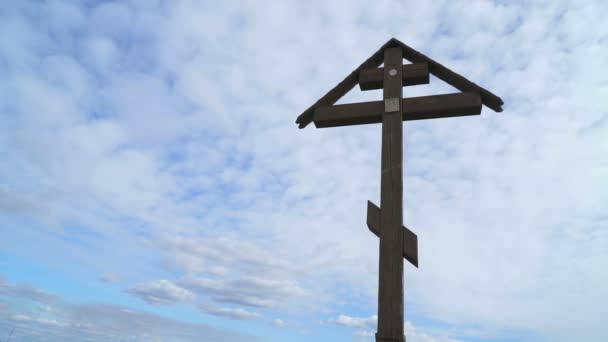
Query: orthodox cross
x=396 y=241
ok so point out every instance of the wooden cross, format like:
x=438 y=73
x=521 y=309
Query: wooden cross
x=396 y=241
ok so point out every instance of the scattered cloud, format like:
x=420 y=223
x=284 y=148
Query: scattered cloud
x=419 y=335
x=161 y=292
x=364 y=333
x=366 y=329
x=253 y=292
x=235 y=313
x=21 y=318
x=234 y=271
x=108 y=278
x=356 y=322
x=100 y=322
x=26 y=291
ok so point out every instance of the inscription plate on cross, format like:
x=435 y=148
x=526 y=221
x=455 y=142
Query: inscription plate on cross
x=391 y=105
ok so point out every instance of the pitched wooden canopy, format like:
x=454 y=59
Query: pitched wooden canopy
x=367 y=80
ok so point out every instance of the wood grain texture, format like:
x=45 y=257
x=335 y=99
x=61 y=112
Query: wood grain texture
x=441 y=106
x=349 y=114
x=414 y=108
x=410 y=240
x=413 y=74
x=390 y=278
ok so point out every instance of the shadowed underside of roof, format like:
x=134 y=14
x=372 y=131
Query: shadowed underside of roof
x=457 y=81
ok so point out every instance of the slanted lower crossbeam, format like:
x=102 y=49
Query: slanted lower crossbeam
x=410 y=240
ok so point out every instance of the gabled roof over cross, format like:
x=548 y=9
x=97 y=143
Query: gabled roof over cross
x=422 y=64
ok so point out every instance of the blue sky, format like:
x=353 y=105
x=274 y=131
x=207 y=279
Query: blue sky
x=154 y=185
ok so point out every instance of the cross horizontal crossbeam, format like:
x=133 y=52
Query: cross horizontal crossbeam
x=414 y=108
x=413 y=74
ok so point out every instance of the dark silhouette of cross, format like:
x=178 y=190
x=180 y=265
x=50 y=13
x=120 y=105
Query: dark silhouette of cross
x=396 y=241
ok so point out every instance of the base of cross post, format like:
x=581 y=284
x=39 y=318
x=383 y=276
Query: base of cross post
x=389 y=338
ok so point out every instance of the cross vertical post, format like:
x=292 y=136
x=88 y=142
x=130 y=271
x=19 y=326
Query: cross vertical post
x=396 y=241
x=390 y=284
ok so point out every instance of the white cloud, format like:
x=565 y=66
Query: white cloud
x=253 y=292
x=108 y=278
x=235 y=313
x=419 y=335
x=234 y=271
x=99 y=322
x=366 y=328
x=21 y=318
x=356 y=322
x=365 y=333
x=27 y=291
x=161 y=292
